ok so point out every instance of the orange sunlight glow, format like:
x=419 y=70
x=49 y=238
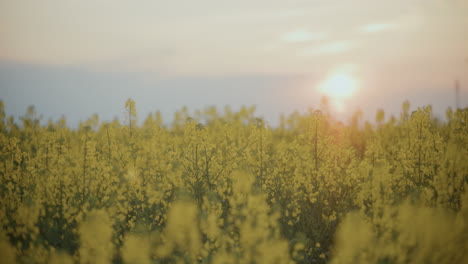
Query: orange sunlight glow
x=338 y=86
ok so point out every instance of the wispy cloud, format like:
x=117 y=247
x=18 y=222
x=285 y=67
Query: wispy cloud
x=404 y=22
x=329 y=48
x=302 y=35
x=376 y=27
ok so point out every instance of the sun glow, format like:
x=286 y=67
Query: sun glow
x=339 y=86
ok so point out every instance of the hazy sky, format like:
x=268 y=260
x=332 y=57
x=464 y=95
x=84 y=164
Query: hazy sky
x=80 y=57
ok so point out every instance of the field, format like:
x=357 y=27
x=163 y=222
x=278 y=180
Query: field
x=224 y=187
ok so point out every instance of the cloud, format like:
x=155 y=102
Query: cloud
x=329 y=48
x=78 y=93
x=301 y=35
x=376 y=27
x=411 y=21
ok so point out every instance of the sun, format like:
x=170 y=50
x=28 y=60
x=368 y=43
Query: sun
x=338 y=87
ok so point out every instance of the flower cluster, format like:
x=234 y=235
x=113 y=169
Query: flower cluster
x=226 y=187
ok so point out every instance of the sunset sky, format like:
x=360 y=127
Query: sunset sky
x=80 y=57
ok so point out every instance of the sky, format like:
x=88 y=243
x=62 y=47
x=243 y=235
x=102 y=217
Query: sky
x=80 y=57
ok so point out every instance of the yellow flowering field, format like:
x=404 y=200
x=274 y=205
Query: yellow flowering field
x=225 y=187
